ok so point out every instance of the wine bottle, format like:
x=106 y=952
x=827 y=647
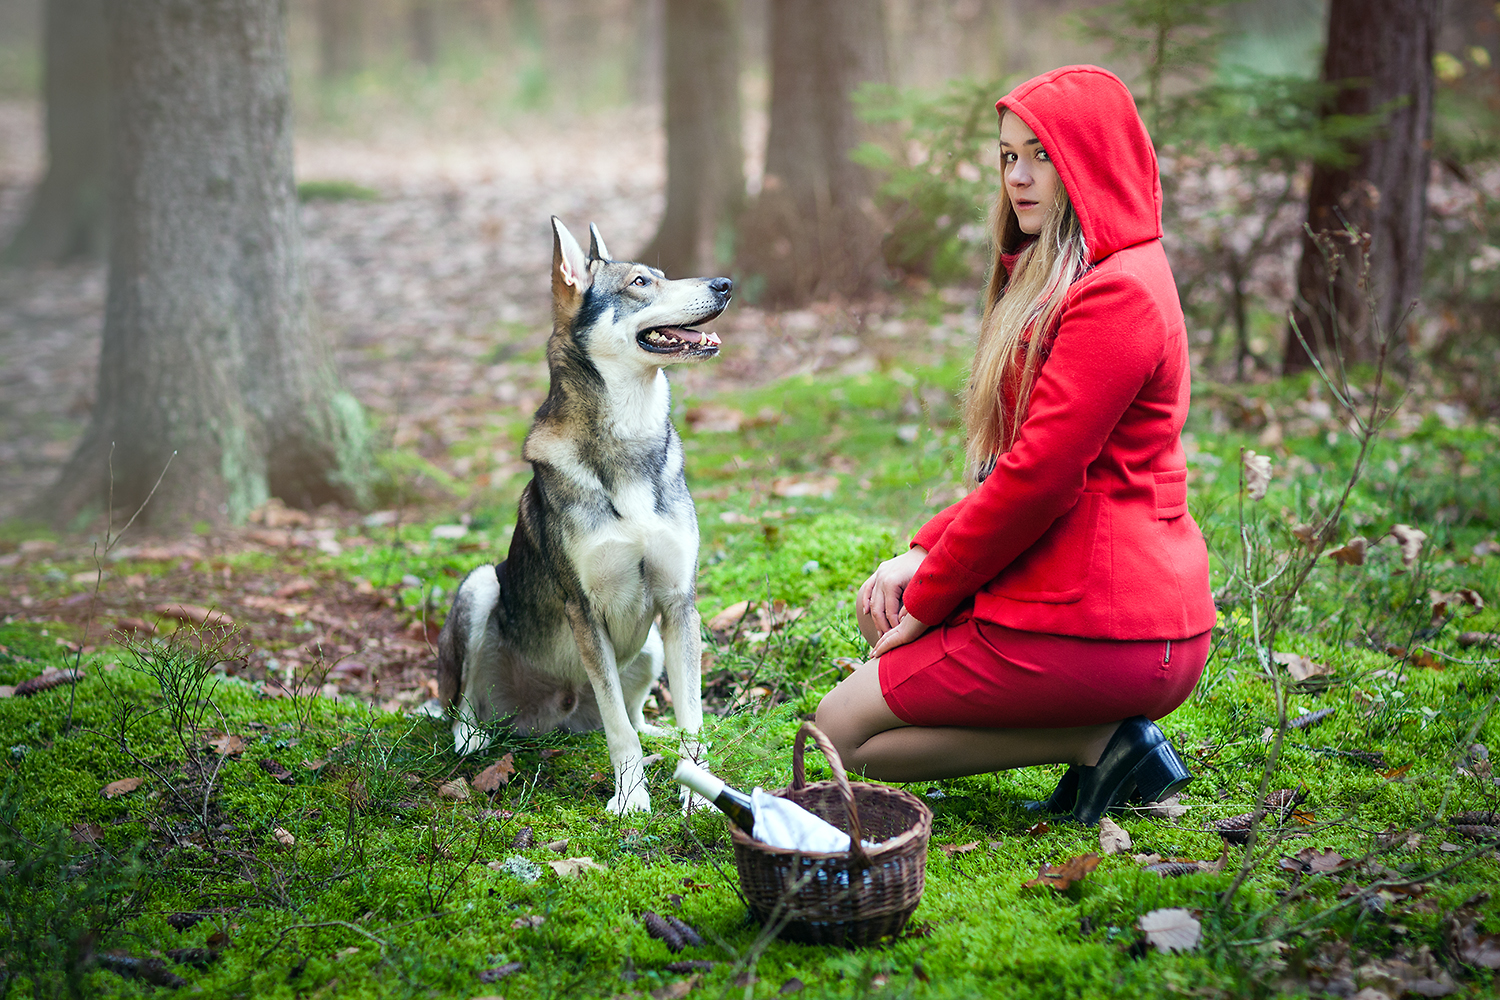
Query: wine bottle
x=731 y=801
x=771 y=819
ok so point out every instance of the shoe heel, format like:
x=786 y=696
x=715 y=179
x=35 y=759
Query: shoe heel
x=1161 y=774
x=1062 y=798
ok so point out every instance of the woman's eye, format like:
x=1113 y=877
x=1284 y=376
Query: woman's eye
x=1041 y=154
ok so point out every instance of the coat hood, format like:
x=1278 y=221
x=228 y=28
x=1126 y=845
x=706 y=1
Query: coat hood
x=1089 y=125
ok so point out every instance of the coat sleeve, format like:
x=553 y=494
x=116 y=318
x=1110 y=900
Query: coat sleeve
x=927 y=536
x=1109 y=342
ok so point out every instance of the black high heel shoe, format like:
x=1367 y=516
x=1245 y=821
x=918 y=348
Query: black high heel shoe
x=1063 y=796
x=1138 y=759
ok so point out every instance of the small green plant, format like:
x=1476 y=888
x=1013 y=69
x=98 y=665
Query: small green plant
x=59 y=902
x=335 y=190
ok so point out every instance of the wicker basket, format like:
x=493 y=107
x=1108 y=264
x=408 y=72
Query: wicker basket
x=849 y=898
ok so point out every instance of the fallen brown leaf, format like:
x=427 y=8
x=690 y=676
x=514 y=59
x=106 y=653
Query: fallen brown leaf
x=1112 y=839
x=455 y=789
x=1411 y=540
x=284 y=837
x=491 y=778
x=571 y=867
x=1322 y=862
x=1351 y=553
x=1172 y=929
x=86 y=833
x=1301 y=667
x=228 y=745
x=677 y=990
x=952 y=849
x=122 y=787
x=1445 y=600
x=1167 y=808
x=1257 y=469
x=1061 y=877
x=293 y=588
x=712 y=418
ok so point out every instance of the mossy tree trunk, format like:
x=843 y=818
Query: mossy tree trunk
x=66 y=218
x=705 y=160
x=1380 y=55
x=208 y=352
x=813 y=231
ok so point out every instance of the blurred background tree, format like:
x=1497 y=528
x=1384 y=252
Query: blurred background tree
x=705 y=160
x=209 y=369
x=814 y=231
x=67 y=214
x=1378 y=60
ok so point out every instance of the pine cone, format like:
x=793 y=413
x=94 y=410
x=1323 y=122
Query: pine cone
x=1235 y=829
x=663 y=931
x=46 y=682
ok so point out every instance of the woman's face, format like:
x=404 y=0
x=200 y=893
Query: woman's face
x=1031 y=181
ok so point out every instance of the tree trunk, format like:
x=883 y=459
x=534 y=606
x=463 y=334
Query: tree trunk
x=705 y=163
x=67 y=214
x=339 y=48
x=421 y=20
x=1380 y=52
x=208 y=354
x=813 y=232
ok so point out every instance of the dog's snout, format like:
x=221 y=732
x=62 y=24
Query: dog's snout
x=721 y=286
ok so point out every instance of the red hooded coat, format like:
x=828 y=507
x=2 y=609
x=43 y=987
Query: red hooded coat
x=1082 y=528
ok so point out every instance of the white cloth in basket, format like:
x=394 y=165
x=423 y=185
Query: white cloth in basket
x=783 y=823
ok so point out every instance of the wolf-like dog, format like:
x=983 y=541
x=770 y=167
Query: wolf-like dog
x=564 y=633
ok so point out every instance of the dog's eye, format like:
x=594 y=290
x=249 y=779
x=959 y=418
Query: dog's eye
x=641 y=280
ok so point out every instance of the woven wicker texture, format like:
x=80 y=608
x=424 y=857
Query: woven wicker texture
x=851 y=898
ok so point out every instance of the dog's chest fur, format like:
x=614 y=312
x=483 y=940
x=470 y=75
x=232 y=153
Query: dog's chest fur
x=630 y=532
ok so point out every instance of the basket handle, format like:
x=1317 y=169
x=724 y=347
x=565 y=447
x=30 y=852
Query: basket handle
x=857 y=853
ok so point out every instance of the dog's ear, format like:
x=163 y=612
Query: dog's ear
x=597 y=249
x=570 y=268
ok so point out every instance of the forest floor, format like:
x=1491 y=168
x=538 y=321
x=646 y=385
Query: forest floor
x=235 y=790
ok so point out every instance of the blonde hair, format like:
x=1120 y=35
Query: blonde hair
x=1019 y=308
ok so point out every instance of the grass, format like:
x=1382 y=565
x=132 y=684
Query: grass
x=352 y=874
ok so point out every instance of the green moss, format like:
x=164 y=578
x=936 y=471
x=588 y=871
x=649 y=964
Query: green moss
x=379 y=853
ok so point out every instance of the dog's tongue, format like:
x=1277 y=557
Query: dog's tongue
x=693 y=336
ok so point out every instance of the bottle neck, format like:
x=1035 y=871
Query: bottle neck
x=698 y=780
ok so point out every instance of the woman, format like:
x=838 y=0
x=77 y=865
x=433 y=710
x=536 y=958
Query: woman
x=1064 y=602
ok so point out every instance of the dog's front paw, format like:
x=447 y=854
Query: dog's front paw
x=625 y=801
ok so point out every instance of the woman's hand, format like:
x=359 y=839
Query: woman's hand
x=907 y=629
x=880 y=595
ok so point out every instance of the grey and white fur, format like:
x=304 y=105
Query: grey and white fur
x=564 y=633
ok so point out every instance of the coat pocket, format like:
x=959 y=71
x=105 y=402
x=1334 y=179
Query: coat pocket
x=1055 y=570
x=1171 y=494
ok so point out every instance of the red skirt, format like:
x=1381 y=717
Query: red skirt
x=968 y=672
